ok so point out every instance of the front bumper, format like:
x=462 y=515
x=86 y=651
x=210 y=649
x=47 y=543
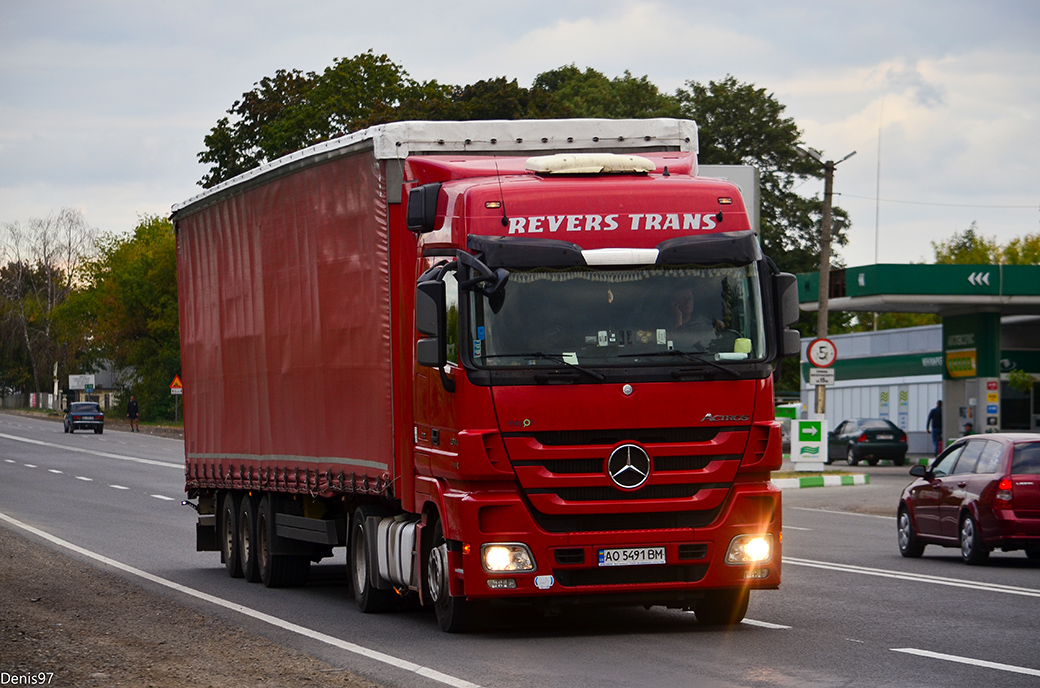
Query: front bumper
x=568 y=564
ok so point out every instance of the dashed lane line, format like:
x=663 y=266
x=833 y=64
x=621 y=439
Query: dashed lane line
x=92 y=452
x=915 y=577
x=391 y=660
x=968 y=660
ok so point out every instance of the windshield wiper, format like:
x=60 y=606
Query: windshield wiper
x=555 y=358
x=696 y=358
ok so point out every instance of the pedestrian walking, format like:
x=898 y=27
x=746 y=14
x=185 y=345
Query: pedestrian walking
x=934 y=423
x=131 y=413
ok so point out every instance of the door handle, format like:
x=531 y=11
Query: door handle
x=962 y=484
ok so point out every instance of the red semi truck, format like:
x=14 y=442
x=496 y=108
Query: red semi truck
x=498 y=361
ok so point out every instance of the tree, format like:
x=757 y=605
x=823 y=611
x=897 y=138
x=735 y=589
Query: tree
x=969 y=247
x=570 y=92
x=47 y=260
x=133 y=303
x=293 y=110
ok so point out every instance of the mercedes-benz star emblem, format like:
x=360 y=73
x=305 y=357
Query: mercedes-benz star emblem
x=628 y=466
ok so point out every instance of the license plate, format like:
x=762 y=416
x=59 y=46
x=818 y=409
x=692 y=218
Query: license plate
x=884 y=437
x=631 y=556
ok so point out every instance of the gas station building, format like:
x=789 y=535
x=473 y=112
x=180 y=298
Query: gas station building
x=990 y=327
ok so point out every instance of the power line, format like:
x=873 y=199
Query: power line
x=942 y=205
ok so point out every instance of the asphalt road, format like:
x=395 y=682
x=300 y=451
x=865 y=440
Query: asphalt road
x=850 y=611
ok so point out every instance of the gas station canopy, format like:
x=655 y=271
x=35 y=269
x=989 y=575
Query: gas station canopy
x=941 y=289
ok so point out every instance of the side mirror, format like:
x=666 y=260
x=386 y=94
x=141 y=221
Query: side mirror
x=920 y=471
x=787 y=296
x=430 y=319
x=785 y=286
x=422 y=208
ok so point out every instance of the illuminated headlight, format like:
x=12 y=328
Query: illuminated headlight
x=750 y=549
x=506 y=557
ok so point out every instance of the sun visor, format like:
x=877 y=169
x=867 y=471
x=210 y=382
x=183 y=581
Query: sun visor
x=522 y=252
x=728 y=248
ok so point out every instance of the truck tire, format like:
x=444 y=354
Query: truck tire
x=247 y=538
x=723 y=607
x=276 y=570
x=454 y=614
x=229 y=534
x=362 y=570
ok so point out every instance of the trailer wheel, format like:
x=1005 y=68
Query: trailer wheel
x=276 y=570
x=229 y=535
x=247 y=538
x=723 y=607
x=369 y=598
x=454 y=614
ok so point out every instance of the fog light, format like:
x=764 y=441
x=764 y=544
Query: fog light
x=501 y=583
x=750 y=549
x=756 y=574
x=506 y=557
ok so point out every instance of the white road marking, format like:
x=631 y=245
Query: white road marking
x=119 y=487
x=968 y=660
x=163 y=497
x=833 y=511
x=915 y=577
x=107 y=455
x=84 y=479
x=9 y=461
x=765 y=624
x=30 y=465
x=54 y=470
x=376 y=655
x=795 y=528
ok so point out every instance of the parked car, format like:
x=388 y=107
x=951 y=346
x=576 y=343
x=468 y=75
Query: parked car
x=867 y=439
x=85 y=415
x=982 y=493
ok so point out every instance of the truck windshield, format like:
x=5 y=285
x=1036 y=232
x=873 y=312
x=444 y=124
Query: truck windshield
x=623 y=317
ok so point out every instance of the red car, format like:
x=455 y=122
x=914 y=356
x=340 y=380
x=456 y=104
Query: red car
x=981 y=494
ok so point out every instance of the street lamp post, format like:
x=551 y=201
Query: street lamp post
x=825 y=256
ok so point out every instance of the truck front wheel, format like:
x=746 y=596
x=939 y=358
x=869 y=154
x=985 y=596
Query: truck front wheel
x=369 y=598
x=723 y=607
x=454 y=614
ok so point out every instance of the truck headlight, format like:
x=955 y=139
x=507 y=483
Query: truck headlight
x=497 y=557
x=750 y=549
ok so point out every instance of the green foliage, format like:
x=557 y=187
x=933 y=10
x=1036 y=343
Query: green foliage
x=47 y=257
x=1021 y=380
x=293 y=110
x=132 y=301
x=969 y=247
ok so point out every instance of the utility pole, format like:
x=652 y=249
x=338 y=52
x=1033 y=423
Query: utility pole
x=825 y=256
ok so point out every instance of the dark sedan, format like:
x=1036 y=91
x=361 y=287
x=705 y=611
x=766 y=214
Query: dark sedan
x=981 y=494
x=867 y=439
x=85 y=415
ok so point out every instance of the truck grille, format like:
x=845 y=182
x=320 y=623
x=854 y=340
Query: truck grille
x=629 y=575
x=564 y=477
x=596 y=523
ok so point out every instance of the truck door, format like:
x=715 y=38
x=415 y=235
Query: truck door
x=434 y=409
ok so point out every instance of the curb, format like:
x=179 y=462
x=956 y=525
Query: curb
x=822 y=481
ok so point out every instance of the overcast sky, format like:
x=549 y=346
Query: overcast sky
x=104 y=104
